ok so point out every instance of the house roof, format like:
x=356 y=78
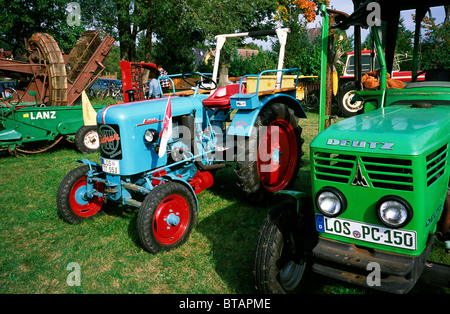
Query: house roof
x=247 y=52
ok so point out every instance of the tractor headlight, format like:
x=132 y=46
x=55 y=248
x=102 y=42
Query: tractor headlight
x=394 y=211
x=151 y=135
x=331 y=202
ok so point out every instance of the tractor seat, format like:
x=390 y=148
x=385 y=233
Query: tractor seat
x=220 y=99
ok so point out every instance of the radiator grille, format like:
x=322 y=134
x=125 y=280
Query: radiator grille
x=387 y=173
x=436 y=163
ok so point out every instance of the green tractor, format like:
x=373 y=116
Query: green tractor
x=380 y=180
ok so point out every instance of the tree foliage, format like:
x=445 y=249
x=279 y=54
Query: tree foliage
x=20 y=19
x=435 y=44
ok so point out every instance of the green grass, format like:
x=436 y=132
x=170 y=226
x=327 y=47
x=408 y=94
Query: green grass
x=36 y=246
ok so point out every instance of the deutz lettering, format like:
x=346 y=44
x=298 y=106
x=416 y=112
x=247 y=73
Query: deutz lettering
x=360 y=144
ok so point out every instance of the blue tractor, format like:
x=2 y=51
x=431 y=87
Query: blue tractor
x=158 y=154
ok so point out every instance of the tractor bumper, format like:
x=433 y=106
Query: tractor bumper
x=344 y=261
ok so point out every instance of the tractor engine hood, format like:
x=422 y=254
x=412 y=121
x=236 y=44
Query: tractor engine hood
x=133 y=113
x=398 y=129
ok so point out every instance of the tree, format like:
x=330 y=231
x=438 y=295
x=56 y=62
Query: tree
x=223 y=17
x=19 y=20
x=301 y=51
x=435 y=44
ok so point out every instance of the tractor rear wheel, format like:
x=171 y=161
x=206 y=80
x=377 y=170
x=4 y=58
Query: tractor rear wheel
x=344 y=98
x=166 y=217
x=272 y=154
x=74 y=205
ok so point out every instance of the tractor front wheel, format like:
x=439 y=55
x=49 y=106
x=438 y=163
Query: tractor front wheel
x=75 y=203
x=166 y=217
x=281 y=261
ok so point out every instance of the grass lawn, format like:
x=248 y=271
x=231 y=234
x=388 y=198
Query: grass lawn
x=36 y=246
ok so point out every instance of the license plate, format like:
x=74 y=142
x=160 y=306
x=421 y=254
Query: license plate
x=365 y=232
x=110 y=166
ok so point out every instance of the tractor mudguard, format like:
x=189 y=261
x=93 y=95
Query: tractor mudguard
x=176 y=179
x=10 y=135
x=244 y=119
x=89 y=163
x=297 y=195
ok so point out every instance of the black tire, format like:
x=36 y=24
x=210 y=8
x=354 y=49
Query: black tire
x=279 y=268
x=87 y=140
x=155 y=231
x=249 y=178
x=344 y=96
x=72 y=207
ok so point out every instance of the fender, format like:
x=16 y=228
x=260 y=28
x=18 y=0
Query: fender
x=297 y=195
x=89 y=163
x=244 y=119
x=176 y=179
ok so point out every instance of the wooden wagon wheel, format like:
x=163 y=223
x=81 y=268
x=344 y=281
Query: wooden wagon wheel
x=43 y=49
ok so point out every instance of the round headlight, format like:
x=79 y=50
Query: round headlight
x=394 y=211
x=151 y=135
x=330 y=202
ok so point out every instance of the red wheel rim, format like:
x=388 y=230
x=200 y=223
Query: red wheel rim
x=171 y=219
x=277 y=156
x=80 y=205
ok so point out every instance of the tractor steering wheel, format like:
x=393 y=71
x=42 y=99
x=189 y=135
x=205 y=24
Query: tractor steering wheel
x=205 y=79
x=12 y=92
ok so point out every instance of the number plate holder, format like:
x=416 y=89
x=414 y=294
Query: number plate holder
x=405 y=239
x=110 y=166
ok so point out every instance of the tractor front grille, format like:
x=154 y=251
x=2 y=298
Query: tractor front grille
x=386 y=173
x=110 y=142
x=436 y=164
x=389 y=173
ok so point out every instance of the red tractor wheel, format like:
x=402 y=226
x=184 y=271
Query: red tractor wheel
x=277 y=153
x=74 y=203
x=273 y=153
x=166 y=217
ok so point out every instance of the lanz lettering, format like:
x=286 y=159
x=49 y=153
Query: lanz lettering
x=43 y=115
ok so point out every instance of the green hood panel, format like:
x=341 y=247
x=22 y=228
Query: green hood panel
x=398 y=129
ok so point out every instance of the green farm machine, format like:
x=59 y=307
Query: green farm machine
x=380 y=195
x=41 y=109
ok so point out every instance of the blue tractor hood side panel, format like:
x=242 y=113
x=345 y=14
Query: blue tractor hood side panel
x=133 y=119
